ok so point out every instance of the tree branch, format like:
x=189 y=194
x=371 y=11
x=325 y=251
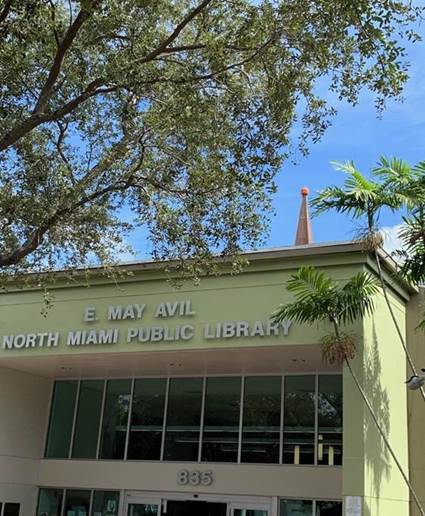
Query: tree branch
x=33 y=242
x=64 y=46
x=37 y=119
x=167 y=41
x=5 y=11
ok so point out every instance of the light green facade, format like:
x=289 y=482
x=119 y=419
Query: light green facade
x=368 y=471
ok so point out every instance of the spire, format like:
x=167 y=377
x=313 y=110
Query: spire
x=304 y=234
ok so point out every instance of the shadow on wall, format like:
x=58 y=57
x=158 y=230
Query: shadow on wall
x=376 y=454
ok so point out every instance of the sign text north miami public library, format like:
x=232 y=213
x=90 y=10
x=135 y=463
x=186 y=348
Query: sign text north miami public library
x=163 y=312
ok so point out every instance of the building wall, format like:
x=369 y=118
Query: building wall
x=229 y=479
x=250 y=296
x=24 y=401
x=369 y=470
x=416 y=404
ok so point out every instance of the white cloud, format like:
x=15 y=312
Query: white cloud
x=392 y=241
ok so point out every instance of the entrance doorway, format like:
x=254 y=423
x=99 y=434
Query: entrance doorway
x=195 y=508
x=173 y=504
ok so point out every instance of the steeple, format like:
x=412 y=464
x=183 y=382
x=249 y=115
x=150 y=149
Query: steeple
x=304 y=234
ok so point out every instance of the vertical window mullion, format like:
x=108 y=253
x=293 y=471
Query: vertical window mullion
x=47 y=426
x=241 y=420
x=130 y=409
x=164 y=423
x=282 y=408
x=99 y=436
x=74 y=419
x=314 y=506
x=201 y=426
x=316 y=418
x=91 y=502
x=63 y=502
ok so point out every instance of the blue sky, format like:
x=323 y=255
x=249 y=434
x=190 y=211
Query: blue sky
x=357 y=134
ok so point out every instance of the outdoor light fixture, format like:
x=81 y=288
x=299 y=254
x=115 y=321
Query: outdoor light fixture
x=415 y=381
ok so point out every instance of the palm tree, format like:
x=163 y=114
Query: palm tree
x=412 y=233
x=394 y=185
x=318 y=298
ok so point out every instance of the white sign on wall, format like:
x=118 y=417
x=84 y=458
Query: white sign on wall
x=353 y=506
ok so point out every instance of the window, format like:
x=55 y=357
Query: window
x=88 y=419
x=61 y=419
x=105 y=503
x=329 y=449
x=147 y=419
x=328 y=508
x=183 y=419
x=261 y=419
x=201 y=418
x=49 y=502
x=11 y=509
x=77 y=502
x=115 y=418
x=221 y=420
x=310 y=508
x=299 y=420
x=296 y=508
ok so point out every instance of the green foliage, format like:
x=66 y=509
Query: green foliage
x=361 y=197
x=319 y=298
x=175 y=112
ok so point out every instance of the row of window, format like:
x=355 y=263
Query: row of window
x=77 y=502
x=83 y=502
x=294 y=419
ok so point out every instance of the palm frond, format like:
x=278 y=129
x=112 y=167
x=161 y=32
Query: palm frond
x=299 y=312
x=318 y=297
x=356 y=297
x=359 y=195
x=308 y=281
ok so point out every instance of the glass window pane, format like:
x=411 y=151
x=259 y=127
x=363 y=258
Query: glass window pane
x=183 y=419
x=249 y=512
x=298 y=430
x=77 y=502
x=147 y=419
x=49 y=502
x=115 y=417
x=105 y=503
x=88 y=419
x=61 y=419
x=142 y=509
x=328 y=508
x=221 y=421
x=296 y=508
x=329 y=449
x=261 y=419
x=11 y=509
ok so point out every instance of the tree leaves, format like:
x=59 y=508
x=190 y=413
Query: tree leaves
x=170 y=115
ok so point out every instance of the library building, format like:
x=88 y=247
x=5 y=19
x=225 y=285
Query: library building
x=140 y=399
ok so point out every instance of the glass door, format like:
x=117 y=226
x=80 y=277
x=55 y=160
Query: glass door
x=142 y=507
x=251 y=509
